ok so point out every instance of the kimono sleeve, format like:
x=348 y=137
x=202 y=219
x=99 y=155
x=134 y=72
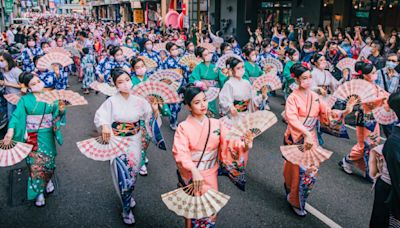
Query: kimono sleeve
x=180 y=149
x=103 y=115
x=324 y=111
x=18 y=121
x=148 y=116
x=292 y=115
x=195 y=75
x=58 y=119
x=226 y=98
x=222 y=78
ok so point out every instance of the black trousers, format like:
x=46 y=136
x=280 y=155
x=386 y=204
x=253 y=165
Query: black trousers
x=381 y=210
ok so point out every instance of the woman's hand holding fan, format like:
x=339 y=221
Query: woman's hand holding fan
x=105 y=133
x=248 y=140
x=308 y=141
x=155 y=105
x=350 y=105
x=197 y=179
x=264 y=91
x=8 y=137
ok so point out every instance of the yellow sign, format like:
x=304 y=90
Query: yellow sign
x=138 y=16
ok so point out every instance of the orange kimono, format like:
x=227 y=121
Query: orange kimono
x=302 y=114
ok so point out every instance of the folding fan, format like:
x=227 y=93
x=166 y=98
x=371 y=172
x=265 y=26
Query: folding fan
x=384 y=117
x=358 y=88
x=273 y=62
x=161 y=91
x=45 y=61
x=221 y=63
x=180 y=43
x=170 y=77
x=127 y=52
x=293 y=86
x=256 y=122
x=271 y=81
x=150 y=64
x=212 y=93
x=73 y=51
x=307 y=158
x=210 y=47
x=104 y=88
x=13 y=98
x=329 y=100
x=99 y=150
x=69 y=97
x=210 y=83
x=184 y=203
x=346 y=63
x=13 y=153
x=189 y=60
x=159 y=47
x=58 y=50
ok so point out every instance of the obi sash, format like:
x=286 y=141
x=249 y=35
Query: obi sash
x=208 y=161
x=241 y=106
x=125 y=129
x=33 y=121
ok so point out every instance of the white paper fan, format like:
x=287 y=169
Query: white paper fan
x=221 y=63
x=384 y=117
x=184 y=203
x=159 y=47
x=212 y=93
x=256 y=122
x=97 y=149
x=150 y=64
x=271 y=81
x=346 y=63
x=358 y=88
x=169 y=77
x=273 y=62
x=128 y=52
x=13 y=153
x=59 y=50
x=209 y=46
x=307 y=158
x=12 y=98
x=189 y=60
x=104 y=88
x=45 y=61
x=159 y=90
x=71 y=98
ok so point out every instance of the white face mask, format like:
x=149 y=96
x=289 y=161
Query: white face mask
x=125 y=87
x=208 y=58
x=149 y=47
x=38 y=87
x=141 y=71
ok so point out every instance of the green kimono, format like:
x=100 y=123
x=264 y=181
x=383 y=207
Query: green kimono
x=41 y=122
x=212 y=78
x=287 y=78
x=252 y=71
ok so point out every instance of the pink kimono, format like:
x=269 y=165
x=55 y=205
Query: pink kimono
x=298 y=180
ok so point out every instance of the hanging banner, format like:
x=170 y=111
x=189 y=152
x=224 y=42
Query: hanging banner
x=8 y=6
x=138 y=16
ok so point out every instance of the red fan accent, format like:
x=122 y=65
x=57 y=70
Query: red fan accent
x=13 y=98
x=271 y=81
x=69 y=97
x=13 y=153
x=384 y=117
x=359 y=88
x=45 y=62
x=128 y=52
x=169 y=77
x=161 y=91
x=212 y=93
x=307 y=158
x=97 y=149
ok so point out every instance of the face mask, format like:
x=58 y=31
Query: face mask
x=149 y=47
x=38 y=87
x=306 y=84
x=389 y=64
x=174 y=53
x=120 y=59
x=31 y=43
x=253 y=58
x=2 y=65
x=239 y=73
x=125 y=87
x=141 y=71
x=208 y=58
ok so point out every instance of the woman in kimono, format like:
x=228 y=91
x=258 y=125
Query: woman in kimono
x=196 y=135
x=367 y=129
x=303 y=110
x=41 y=123
x=292 y=57
x=126 y=115
x=56 y=78
x=88 y=65
x=206 y=73
x=189 y=48
x=251 y=70
x=237 y=95
x=323 y=81
x=172 y=62
x=29 y=53
x=149 y=53
x=118 y=61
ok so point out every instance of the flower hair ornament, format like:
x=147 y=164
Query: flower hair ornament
x=292 y=75
x=306 y=65
x=201 y=85
x=367 y=61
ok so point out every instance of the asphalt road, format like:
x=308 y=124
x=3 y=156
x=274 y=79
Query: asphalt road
x=85 y=196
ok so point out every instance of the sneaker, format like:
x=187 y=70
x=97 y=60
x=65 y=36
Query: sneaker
x=128 y=219
x=173 y=127
x=143 y=171
x=133 y=202
x=346 y=166
x=40 y=201
x=50 y=187
x=146 y=160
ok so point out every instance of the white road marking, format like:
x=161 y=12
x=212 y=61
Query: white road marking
x=353 y=128
x=329 y=222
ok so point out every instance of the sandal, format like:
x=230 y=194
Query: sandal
x=128 y=219
x=40 y=201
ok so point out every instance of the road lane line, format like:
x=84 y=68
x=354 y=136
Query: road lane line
x=329 y=222
x=353 y=128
